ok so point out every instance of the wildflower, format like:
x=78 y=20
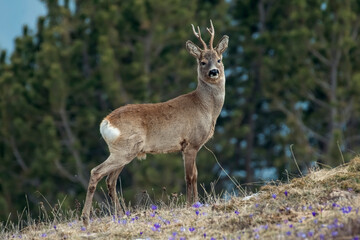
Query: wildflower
x=191 y=229
x=237 y=212
x=44 y=235
x=314 y=214
x=197 y=205
x=274 y=196
x=213 y=238
x=290 y=226
x=335 y=205
x=174 y=234
x=182 y=238
x=350 y=189
x=310 y=207
x=152 y=214
x=346 y=209
x=83 y=229
x=356 y=238
x=334 y=233
x=301 y=234
x=154 y=207
x=315 y=221
x=55 y=227
x=127 y=213
x=182 y=229
x=257 y=236
x=204 y=235
x=288 y=233
x=197 y=212
x=322 y=237
x=310 y=233
x=257 y=205
x=286 y=193
x=141 y=233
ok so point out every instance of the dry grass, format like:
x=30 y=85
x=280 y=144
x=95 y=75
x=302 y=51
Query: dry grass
x=322 y=205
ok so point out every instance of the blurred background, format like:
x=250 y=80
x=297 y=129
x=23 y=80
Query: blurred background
x=293 y=89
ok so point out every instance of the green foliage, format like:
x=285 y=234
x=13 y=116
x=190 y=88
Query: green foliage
x=292 y=78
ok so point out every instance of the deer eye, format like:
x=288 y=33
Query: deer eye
x=203 y=63
x=219 y=61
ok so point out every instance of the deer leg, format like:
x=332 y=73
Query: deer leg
x=97 y=174
x=189 y=156
x=111 y=181
x=194 y=185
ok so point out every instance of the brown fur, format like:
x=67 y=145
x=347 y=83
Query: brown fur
x=183 y=124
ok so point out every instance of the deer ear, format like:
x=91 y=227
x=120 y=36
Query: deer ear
x=193 y=49
x=222 y=45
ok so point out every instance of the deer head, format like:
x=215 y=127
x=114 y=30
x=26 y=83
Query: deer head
x=210 y=67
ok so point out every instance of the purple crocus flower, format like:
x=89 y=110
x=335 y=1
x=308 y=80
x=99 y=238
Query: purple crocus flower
x=346 y=209
x=154 y=207
x=197 y=205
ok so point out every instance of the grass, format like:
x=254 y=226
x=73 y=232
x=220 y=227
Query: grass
x=321 y=205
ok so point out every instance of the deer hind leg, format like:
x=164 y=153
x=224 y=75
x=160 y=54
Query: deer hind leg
x=111 y=181
x=97 y=174
x=189 y=156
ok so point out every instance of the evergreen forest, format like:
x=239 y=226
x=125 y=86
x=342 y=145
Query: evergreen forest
x=292 y=94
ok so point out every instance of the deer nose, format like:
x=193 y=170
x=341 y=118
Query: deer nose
x=213 y=72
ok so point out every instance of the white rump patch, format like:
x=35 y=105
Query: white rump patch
x=109 y=132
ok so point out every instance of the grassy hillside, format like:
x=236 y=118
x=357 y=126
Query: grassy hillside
x=324 y=204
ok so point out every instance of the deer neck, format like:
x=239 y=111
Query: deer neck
x=212 y=95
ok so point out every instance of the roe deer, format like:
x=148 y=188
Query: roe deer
x=183 y=124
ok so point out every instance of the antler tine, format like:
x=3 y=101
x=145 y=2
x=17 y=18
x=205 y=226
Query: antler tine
x=198 y=36
x=212 y=33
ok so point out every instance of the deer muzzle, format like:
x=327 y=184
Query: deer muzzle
x=214 y=73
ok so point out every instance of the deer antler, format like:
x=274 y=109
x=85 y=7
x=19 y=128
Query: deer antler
x=212 y=33
x=198 y=35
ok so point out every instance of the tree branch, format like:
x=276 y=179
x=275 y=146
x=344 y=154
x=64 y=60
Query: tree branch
x=300 y=123
x=17 y=154
x=64 y=172
x=70 y=144
x=319 y=102
x=319 y=56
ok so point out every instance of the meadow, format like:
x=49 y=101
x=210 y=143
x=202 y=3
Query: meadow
x=324 y=204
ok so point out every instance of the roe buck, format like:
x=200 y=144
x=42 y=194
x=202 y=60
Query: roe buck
x=183 y=124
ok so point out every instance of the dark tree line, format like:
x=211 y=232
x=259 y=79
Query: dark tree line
x=292 y=79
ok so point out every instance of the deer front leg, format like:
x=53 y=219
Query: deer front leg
x=111 y=181
x=191 y=173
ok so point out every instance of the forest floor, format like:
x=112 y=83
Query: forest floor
x=324 y=204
